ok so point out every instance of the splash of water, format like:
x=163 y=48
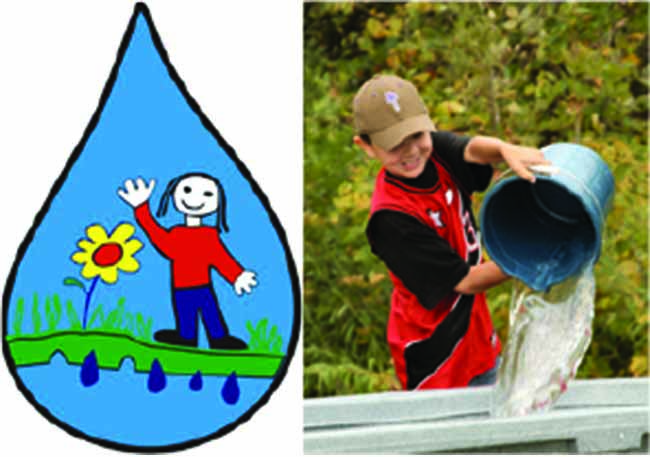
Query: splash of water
x=549 y=335
x=89 y=370
x=230 y=391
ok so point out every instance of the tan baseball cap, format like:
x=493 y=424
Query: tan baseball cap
x=388 y=109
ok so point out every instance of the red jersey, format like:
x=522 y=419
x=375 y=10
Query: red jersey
x=191 y=250
x=453 y=342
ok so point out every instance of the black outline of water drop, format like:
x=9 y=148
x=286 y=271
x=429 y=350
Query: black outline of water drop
x=142 y=9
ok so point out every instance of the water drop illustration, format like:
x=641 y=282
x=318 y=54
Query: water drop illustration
x=89 y=374
x=157 y=380
x=230 y=390
x=154 y=233
x=196 y=382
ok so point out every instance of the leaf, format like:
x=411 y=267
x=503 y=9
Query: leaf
x=511 y=12
x=394 y=26
x=639 y=365
x=375 y=28
x=510 y=25
x=70 y=281
x=450 y=107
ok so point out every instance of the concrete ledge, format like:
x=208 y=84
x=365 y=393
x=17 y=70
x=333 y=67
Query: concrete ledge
x=593 y=416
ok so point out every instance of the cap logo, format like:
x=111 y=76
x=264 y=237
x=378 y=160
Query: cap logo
x=391 y=99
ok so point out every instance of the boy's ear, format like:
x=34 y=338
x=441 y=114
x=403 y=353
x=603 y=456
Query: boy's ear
x=370 y=152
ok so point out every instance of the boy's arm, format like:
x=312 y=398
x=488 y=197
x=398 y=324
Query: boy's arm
x=449 y=149
x=485 y=149
x=481 y=278
x=424 y=262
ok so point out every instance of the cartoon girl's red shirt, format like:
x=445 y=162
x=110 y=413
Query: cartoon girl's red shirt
x=191 y=250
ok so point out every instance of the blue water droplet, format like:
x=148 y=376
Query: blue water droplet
x=157 y=380
x=147 y=124
x=89 y=371
x=196 y=382
x=230 y=391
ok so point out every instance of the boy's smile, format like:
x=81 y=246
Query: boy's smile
x=406 y=160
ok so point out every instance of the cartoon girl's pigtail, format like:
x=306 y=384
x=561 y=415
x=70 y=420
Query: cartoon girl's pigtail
x=221 y=211
x=164 y=200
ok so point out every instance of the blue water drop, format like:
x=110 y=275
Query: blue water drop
x=230 y=391
x=89 y=371
x=146 y=125
x=157 y=380
x=196 y=382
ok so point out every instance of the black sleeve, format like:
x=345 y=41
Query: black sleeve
x=449 y=149
x=416 y=254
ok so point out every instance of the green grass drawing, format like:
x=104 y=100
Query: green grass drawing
x=36 y=315
x=19 y=314
x=116 y=320
x=263 y=341
x=52 y=312
x=73 y=317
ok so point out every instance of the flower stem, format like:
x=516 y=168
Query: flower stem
x=87 y=303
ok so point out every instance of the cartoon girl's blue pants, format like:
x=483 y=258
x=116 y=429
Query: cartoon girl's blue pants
x=188 y=303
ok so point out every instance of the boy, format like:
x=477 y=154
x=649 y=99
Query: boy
x=421 y=225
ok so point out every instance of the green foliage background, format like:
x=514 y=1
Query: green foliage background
x=531 y=74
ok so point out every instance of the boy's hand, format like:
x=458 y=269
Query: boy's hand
x=136 y=193
x=519 y=158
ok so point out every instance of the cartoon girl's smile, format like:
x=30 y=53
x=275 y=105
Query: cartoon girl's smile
x=190 y=207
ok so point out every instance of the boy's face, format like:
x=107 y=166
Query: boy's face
x=406 y=160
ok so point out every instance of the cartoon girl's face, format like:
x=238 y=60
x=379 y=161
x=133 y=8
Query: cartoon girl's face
x=196 y=196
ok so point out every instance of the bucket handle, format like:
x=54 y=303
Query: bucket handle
x=544 y=169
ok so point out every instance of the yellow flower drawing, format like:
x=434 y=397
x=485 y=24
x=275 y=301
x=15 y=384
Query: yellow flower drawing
x=103 y=255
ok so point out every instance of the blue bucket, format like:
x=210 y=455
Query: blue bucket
x=545 y=232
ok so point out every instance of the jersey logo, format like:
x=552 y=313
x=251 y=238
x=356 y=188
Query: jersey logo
x=471 y=237
x=470 y=233
x=449 y=196
x=435 y=217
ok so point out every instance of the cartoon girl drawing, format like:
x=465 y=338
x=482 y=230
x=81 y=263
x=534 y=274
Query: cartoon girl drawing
x=193 y=249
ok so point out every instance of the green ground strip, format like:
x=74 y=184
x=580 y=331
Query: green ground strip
x=112 y=349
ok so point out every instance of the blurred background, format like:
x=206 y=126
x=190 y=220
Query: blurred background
x=528 y=73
